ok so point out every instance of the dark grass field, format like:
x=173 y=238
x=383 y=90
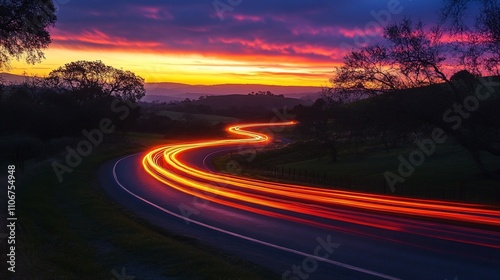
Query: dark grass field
x=71 y=230
x=449 y=173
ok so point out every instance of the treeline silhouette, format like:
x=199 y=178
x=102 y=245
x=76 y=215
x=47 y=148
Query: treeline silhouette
x=41 y=116
x=467 y=116
x=253 y=106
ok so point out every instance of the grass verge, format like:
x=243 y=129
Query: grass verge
x=71 y=230
x=449 y=173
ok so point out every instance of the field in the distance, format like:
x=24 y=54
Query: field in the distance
x=212 y=119
x=449 y=173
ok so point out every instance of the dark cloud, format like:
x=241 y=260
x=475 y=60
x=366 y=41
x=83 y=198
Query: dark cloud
x=311 y=30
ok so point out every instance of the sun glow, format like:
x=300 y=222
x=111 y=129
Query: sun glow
x=188 y=68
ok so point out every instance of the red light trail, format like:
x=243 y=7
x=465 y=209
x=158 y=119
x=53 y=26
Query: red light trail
x=311 y=205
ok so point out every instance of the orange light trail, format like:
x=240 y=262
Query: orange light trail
x=285 y=201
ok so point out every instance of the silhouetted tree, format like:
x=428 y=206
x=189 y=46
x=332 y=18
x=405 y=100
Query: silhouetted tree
x=412 y=61
x=92 y=80
x=463 y=75
x=412 y=58
x=479 y=44
x=24 y=29
x=320 y=120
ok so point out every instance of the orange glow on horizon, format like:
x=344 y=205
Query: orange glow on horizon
x=192 y=69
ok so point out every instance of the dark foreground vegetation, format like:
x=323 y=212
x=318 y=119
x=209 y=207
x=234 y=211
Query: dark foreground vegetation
x=71 y=230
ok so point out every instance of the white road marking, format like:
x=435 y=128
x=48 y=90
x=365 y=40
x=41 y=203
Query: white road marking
x=282 y=248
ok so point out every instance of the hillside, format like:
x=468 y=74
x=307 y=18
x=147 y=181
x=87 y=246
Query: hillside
x=249 y=101
x=178 y=88
x=11 y=78
x=167 y=91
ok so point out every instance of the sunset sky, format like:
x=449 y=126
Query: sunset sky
x=293 y=42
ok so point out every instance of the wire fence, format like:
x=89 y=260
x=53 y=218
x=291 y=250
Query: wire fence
x=463 y=191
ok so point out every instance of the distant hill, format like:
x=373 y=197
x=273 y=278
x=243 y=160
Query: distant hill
x=212 y=119
x=161 y=98
x=183 y=91
x=250 y=101
x=11 y=78
x=165 y=92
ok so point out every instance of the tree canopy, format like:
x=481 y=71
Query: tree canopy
x=478 y=46
x=91 y=80
x=411 y=57
x=412 y=68
x=24 y=29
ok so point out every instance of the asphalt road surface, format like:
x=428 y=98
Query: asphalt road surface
x=302 y=232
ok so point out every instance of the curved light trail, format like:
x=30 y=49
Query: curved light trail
x=316 y=206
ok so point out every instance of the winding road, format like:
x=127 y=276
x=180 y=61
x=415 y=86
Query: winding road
x=303 y=232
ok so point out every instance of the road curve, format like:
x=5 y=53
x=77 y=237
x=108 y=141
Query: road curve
x=304 y=232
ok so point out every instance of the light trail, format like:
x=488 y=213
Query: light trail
x=308 y=204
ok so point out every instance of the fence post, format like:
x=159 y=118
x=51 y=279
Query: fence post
x=461 y=193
